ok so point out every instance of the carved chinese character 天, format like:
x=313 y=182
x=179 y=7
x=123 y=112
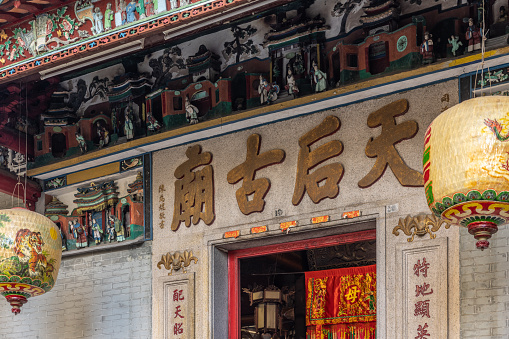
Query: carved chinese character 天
x=194 y=191
x=423 y=290
x=422 y=308
x=382 y=147
x=322 y=182
x=421 y=268
x=178 y=328
x=246 y=172
x=177 y=312
x=178 y=295
x=422 y=332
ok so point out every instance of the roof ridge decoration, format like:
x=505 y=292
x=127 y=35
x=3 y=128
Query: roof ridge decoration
x=55 y=37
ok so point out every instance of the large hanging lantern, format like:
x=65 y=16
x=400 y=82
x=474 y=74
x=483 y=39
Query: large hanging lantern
x=466 y=166
x=30 y=255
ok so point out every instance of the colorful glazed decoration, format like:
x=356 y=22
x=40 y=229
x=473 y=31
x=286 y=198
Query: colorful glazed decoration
x=30 y=255
x=427 y=49
x=466 y=166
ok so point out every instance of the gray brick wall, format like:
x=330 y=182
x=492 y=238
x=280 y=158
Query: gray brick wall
x=103 y=295
x=485 y=287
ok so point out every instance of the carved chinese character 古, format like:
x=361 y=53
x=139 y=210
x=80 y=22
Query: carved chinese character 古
x=382 y=147
x=194 y=191
x=322 y=182
x=421 y=268
x=247 y=171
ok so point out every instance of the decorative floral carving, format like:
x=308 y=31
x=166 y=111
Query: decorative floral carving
x=176 y=261
x=421 y=224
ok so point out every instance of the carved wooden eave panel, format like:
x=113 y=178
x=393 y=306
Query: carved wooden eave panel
x=83 y=49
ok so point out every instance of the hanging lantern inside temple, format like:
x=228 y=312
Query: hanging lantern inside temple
x=30 y=255
x=466 y=166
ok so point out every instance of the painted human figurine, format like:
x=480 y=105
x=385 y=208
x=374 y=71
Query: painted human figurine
x=320 y=78
x=81 y=143
x=149 y=7
x=152 y=124
x=140 y=8
x=454 y=41
x=104 y=135
x=191 y=112
x=108 y=17
x=118 y=227
x=121 y=8
x=427 y=49
x=96 y=231
x=291 y=86
x=79 y=232
x=98 y=21
x=130 y=11
x=473 y=36
x=128 y=124
x=173 y=4
x=114 y=121
x=62 y=236
x=110 y=229
x=268 y=92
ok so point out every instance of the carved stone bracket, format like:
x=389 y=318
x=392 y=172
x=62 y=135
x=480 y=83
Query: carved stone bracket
x=421 y=224
x=176 y=261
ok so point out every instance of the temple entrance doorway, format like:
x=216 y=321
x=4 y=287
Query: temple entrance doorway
x=275 y=286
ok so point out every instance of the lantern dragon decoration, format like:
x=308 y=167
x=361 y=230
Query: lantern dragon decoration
x=30 y=255
x=466 y=166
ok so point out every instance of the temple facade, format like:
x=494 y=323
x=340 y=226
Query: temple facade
x=250 y=169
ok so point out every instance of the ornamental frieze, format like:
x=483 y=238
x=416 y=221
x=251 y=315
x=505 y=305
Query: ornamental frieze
x=89 y=26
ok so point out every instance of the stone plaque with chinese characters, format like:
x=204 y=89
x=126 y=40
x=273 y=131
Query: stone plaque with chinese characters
x=179 y=307
x=424 y=289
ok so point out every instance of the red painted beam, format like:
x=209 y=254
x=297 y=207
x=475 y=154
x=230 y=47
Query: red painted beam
x=8 y=183
x=16 y=141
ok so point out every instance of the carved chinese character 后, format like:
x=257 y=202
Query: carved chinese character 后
x=422 y=332
x=178 y=295
x=421 y=268
x=194 y=191
x=247 y=171
x=422 y=308
x=423 y=290
x=177 y=312
x=161 y=188
x=178 y=328
x=382 y=147
x=322 y=182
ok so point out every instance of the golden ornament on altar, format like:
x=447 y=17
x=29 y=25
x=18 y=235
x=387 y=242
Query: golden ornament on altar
x=30 y=255
x=466 y=166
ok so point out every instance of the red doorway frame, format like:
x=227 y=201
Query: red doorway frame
x=234 y=269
